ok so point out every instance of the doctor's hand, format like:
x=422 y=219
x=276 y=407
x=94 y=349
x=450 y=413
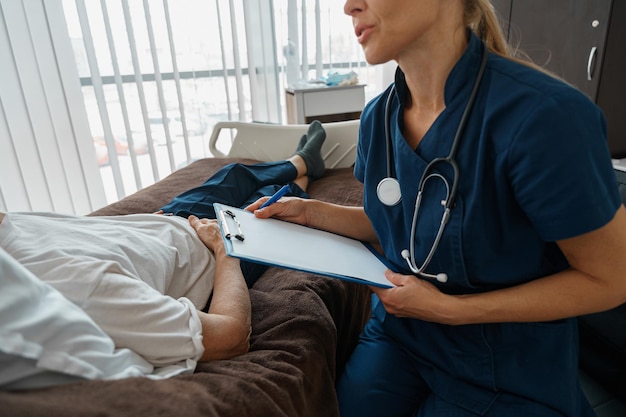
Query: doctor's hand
x=291 y=209
x=414 y=297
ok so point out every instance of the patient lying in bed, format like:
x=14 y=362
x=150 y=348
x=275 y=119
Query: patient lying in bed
x=112 y=297
x=142 y=281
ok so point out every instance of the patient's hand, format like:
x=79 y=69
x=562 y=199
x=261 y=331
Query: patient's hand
x=209 y=233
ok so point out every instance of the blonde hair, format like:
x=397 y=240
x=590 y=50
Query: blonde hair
x=481 y=18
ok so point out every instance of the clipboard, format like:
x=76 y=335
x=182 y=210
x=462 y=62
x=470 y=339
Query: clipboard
x=288 y=245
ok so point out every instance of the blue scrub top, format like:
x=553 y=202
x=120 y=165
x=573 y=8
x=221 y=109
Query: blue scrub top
x=534 y=168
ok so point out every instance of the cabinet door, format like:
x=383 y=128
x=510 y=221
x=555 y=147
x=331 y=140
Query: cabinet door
x=503 y=10
x=612 y=89
x=566 y=37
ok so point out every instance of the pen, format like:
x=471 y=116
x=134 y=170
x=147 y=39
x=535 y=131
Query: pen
x=277 y=195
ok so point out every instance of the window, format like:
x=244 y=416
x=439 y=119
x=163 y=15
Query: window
x=157 y=75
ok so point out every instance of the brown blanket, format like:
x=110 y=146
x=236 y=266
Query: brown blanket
x=304 y=327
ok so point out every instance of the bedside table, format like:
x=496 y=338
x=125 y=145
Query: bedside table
x=311 y=101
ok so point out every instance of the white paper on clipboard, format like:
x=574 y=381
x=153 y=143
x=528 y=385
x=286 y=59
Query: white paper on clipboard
x=288 y=245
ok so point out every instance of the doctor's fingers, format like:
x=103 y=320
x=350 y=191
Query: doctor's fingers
x=397 y=279
x=254 y=206
x=287 y=208
x=412 y=297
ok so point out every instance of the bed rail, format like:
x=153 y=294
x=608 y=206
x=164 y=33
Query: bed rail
x=272 y=142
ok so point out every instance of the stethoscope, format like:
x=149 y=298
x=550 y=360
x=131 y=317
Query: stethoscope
x=388 y=189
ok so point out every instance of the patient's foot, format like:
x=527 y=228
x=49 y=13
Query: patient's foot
x=311 y=152
x=301 y=143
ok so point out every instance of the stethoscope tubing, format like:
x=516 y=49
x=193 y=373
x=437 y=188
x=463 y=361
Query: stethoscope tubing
x=429 y=172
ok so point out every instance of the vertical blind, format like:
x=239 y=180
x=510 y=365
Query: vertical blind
x=43 y=152
x=172 y=65
x=101 y=98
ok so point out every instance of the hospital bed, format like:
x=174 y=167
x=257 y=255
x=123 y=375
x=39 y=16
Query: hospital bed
x=304 y=326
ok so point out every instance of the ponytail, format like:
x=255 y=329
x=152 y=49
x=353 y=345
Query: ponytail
x=481 y=18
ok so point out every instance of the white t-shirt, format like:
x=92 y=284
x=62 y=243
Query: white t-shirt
x=140 y=277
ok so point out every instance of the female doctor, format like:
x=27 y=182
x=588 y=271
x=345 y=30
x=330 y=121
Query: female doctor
x=517 y=228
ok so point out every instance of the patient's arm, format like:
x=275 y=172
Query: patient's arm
x=226 y=327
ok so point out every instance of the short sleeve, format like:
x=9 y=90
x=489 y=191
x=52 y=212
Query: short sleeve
x=560 y=167
x=45 y=337
x=164 y=330
x=371 y=121
x=359 y=165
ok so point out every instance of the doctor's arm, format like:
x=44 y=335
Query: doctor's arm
x=596 y=281
x=226 y=327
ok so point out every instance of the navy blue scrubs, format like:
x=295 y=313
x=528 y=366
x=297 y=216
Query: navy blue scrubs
x=534 y=168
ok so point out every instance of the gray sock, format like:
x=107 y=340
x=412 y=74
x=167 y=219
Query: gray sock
x=301 y=143
x=312 y=150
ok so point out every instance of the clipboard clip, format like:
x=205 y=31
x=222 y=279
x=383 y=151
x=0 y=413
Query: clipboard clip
x=227 y=234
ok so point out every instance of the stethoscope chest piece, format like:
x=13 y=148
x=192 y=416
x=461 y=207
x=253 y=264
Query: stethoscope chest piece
x=388 y=191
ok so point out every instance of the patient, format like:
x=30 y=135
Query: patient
x=143 y=279
x=146 y=279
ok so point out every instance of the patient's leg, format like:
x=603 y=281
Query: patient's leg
x=239 y=185
x=232 y=185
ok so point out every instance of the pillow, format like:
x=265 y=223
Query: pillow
x=47 y=340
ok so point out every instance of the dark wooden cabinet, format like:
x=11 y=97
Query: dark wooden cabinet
x=503 y=8
x=581 y=41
